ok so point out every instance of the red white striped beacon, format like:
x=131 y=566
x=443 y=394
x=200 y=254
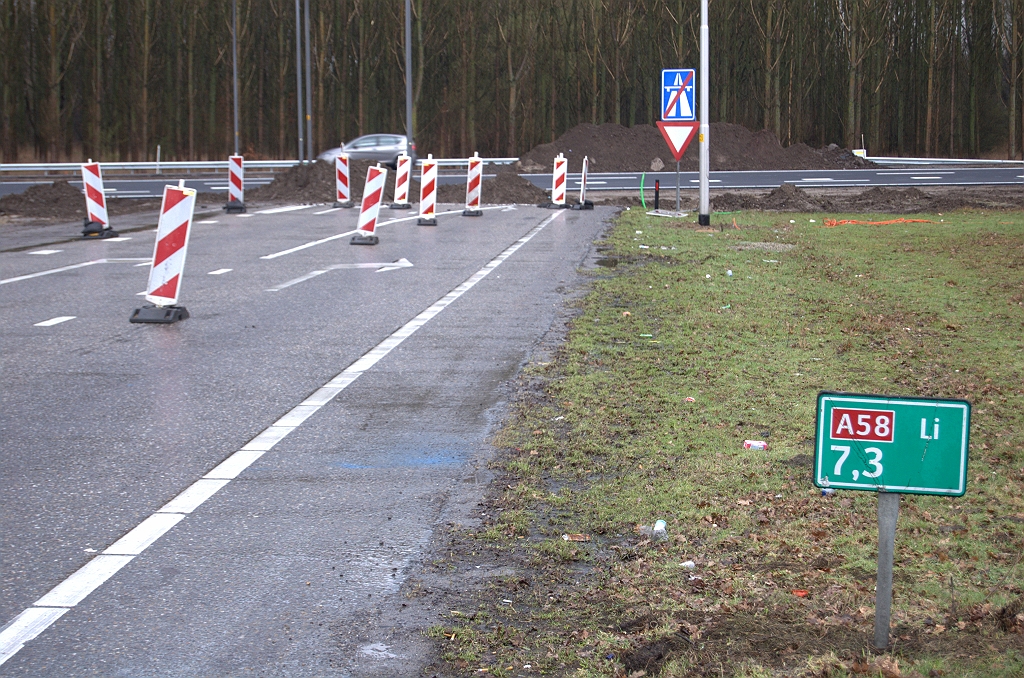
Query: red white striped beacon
x=168 y=264
x=236 y=190
x=96 y=224
x=373 y=193
x=558 y=180
x=403 y=172
x=343 y=189
x=474 y=177
x=428 y=191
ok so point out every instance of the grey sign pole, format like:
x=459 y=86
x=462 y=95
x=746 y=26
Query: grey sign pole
x=888 y=512
x=234 y=63
x=298 y=72
x=309 y=94
x=704 y=217
x=408 y=76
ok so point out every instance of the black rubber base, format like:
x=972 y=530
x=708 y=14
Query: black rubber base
x=234 y=206
x=400 y=205
x=93 y=230
x=585 y=205
x=472 y=213
x=704 y=219
x=346 y=204
x=163 y=315
x=364 y=240
x=554 y=206
x=426 y=221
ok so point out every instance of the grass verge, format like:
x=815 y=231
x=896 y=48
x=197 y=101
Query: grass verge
x=697 y=340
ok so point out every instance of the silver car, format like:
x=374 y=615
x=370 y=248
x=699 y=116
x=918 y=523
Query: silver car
x=381 y=147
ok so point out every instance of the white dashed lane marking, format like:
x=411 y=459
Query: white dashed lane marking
x=68 y=268
x=46 y=251
x=56 y=321
x=220 y=271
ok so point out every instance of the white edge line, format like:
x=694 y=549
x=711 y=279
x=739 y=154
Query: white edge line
x=73 y=590
x=53 y=270
x=84 y=581
x=55 y=321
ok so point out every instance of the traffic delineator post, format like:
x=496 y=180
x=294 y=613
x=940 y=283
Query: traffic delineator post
x=236 y=191
x=403 y=172
x=95 y=224
x=558 y=180
x=343 y=187
x=168 y=262
x=373 y=194
x=428 y=192
x=474 y=177
x=584 y=204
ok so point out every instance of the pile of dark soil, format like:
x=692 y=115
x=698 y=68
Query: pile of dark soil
x=314 y=183
x=614 y=148
x=52 y=201
x=506 y=187
x=62 y=201
x=878 y=199
x=785 y=198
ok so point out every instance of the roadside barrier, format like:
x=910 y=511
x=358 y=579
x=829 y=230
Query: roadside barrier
x=428 y=192
x=403 y=169
x=236 y=191
x=168 y=264
x=343 y=191
x=585 y=204
x=95 y=224
x=373 y=192
x=558 y=176
x=474 y=177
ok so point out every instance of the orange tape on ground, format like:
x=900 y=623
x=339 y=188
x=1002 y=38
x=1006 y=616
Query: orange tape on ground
x=832 y=223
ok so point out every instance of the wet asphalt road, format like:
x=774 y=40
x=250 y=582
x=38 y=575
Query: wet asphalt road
x=282 y=571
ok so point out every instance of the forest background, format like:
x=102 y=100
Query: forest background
x=112 y=79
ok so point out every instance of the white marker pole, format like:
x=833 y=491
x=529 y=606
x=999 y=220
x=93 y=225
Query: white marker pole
x=704 y=218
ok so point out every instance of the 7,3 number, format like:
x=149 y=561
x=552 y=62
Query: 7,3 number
x=875 y=463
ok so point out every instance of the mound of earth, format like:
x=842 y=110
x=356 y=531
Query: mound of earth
x=314 y=182
x=506 y=187
x=62 y=201
x=785 y=198
x=614 y=148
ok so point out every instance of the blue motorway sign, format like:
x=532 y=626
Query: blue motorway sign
x=677 y=94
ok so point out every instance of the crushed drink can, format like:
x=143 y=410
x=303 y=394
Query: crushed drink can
x=755 y=445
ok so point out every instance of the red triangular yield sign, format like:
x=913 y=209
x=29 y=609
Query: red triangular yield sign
x=678 y=136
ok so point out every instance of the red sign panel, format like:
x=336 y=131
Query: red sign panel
x=869 y=425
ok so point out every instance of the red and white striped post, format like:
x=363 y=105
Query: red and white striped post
x=474 y=177
x=343 y=190
x=373 y=193
x=96 y=224
x=428 y=191
x=168 y=264
x=558 y=177
x=403 y=171
x=584 y=204
x=236 y=191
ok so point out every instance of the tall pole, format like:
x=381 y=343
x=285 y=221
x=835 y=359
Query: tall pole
x=408 y=75
x=309 y=94
x=298 y=72
x=234 y=62
x=704 y=218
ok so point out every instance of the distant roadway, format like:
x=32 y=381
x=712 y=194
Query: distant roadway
x=944 y=175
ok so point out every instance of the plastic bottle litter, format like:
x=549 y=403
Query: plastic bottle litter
x=827 y=491
x=729 y=272
x=689 y=565
x=755 y=445
x=659 y=531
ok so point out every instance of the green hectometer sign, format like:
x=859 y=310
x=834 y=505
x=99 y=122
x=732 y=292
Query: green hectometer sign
x=889 y=444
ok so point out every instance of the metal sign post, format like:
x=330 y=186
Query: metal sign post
x=891 y=445
x=704 y=215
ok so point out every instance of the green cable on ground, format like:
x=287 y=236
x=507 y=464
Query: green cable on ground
x=642 y=201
